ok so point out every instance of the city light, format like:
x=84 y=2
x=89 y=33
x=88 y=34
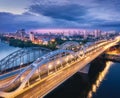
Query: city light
x=43 y=43
x=100 y=78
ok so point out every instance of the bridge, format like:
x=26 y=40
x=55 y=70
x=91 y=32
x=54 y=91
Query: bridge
x=52 y=69
x=21 y=57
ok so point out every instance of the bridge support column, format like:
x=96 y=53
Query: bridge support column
x=83 y=52
x=23 y=60
x=48 y=69
x=0 y=68
x=20 y=60
x=55 y=64
x=34 y=55
x=28 y=83
x=95 y=48
x=40 y=53
x=85 y=69
x=61 y=61
x=13 y=64
x=39 y=73
x=28 y=57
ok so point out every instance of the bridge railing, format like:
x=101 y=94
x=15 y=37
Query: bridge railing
x=31 y=72
x=44 y=61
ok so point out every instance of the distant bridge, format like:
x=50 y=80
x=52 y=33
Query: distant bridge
x=70 y=45
x=21 y=57
x=50 y=70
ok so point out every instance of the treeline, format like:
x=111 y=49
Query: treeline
x=23 y=44
x=20 y=43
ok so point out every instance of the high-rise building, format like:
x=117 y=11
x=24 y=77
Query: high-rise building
x=97 y=33
x=21 y=33
x=85 y=34
x=31 y=36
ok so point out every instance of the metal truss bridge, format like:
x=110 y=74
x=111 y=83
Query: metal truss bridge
x=52 y=69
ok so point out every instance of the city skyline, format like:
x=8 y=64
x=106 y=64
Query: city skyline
x=52 y=14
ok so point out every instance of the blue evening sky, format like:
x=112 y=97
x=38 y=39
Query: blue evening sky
x=42 y=14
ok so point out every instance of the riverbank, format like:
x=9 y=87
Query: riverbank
x=23 y=44
x=103 y=78
x=115 y=52
x=112 y=57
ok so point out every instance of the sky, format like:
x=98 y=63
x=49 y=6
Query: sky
x=60 y=14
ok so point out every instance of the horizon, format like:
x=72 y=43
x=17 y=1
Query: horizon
x=62 y=30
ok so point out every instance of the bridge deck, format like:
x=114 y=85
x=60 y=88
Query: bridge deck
x=43 y=87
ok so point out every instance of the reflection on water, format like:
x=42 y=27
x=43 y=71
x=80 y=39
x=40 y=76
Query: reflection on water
x=83 y=85
x=99 y=79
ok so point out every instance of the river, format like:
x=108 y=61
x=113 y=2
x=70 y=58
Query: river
x=103 y=81
x=110 y=86
x=5 y=49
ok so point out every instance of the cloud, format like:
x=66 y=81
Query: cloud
x=71 y=12
x=12 y=22
x=64 y=14
x=83 y=12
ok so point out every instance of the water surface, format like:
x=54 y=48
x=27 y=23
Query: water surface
x=102 y=82
x=5 y=49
